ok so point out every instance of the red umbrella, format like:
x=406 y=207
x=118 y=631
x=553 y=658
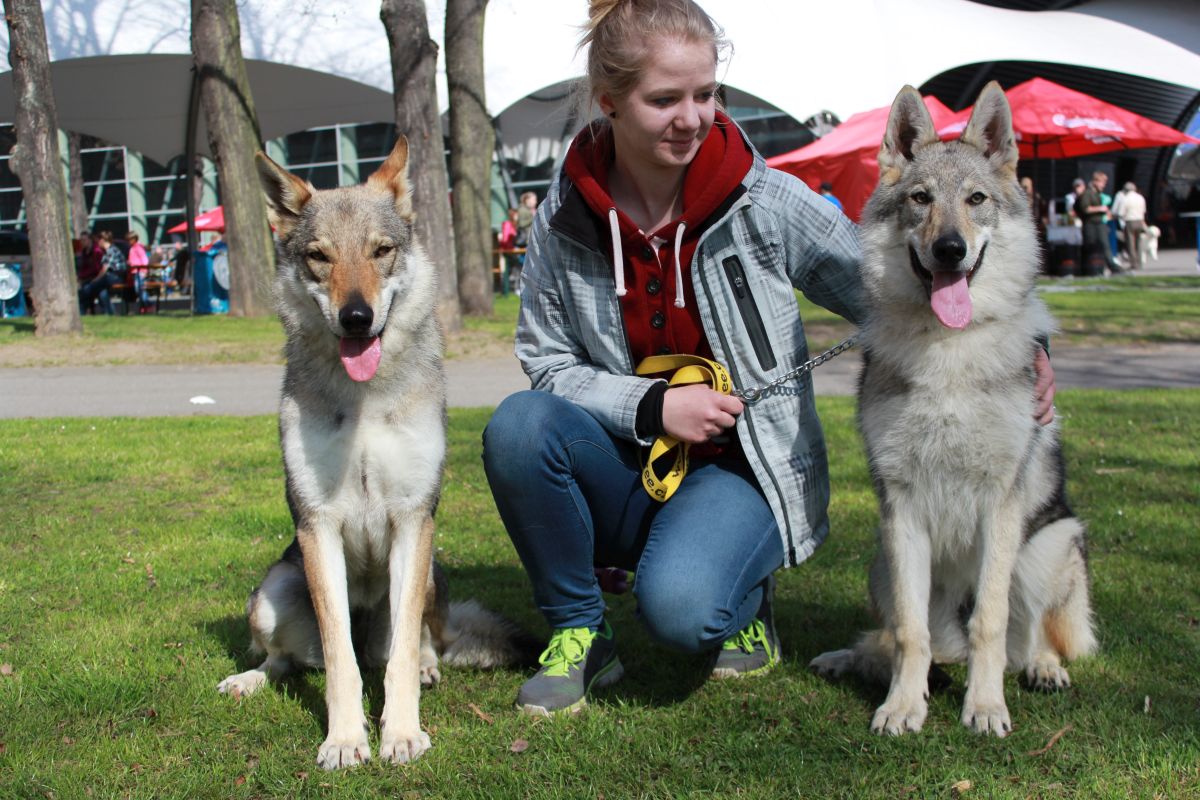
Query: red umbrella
x=1052 y=121
x=845 y=157
x=211 y=220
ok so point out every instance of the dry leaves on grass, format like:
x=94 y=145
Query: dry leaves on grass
x=519 y=746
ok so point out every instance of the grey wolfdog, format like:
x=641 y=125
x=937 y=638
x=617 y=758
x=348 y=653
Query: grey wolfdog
x=362 y=424
x=980 y=559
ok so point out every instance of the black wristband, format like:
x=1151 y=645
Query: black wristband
x=649 y=421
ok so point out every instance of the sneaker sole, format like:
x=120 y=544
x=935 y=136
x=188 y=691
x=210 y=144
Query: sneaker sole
x=725 y=673
x=612 y=673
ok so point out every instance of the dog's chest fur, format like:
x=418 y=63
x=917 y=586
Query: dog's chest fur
x=948 y=423
x=363 y=455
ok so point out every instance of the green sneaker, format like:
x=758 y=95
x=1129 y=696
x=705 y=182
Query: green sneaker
x=575 y=662
x=754 y=649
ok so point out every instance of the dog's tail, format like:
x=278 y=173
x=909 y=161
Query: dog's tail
x=476 y=637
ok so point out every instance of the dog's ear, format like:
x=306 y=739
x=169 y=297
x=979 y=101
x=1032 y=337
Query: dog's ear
x=991 y=129
x=909 y=128
x=392 y=176
x=286 y=194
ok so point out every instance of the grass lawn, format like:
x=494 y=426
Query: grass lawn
x=129 y=546
x=1110 y=311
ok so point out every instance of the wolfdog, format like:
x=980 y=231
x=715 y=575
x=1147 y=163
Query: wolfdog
x=362 y=425
x=980 y=559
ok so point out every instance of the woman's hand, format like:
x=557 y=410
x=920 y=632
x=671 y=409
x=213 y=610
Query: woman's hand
x=696 y=413
x=1043 y=388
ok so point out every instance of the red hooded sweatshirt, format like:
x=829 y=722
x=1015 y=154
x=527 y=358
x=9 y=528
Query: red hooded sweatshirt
x=660 y=312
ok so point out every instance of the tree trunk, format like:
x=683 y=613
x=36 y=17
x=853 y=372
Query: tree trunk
x=38 y=165
x=78 y=200
x=233 y=137
x=414 y=61
x=472 y=143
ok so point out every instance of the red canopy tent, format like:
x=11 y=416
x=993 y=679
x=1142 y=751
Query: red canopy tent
x=211 y=220
x=1052 y=121
x=846 y=156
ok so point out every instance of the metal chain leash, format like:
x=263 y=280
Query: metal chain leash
x=755 y=393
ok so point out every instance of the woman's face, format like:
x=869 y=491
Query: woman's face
x=670 y=110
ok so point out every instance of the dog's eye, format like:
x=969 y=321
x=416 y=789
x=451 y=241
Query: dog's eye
x=384 y=250
x=921 y=198
x=977 y=198
x=317 y=255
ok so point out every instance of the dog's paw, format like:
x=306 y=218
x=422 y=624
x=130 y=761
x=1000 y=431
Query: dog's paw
x=242 y=684
x=833 y=664
x=338 y=752
x=1047 y=676
x=430 y=676
x=401 y=749
x=898 y=716
x=986 y=716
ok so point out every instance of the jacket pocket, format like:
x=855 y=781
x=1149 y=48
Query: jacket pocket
x=751 y=317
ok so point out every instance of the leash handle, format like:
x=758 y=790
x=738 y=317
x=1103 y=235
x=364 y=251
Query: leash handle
x=684 y=370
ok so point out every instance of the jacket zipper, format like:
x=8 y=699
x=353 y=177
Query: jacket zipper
x=747 y=413
x=749 y=311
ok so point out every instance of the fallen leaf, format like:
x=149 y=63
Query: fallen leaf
x=302 y=775
x=479 y=713
x=961 y=788
x=241 y=779
x=519 y=746
x=1049 y=744
x=6 y=670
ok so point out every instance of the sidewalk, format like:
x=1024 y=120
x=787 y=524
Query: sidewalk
x=147 y=391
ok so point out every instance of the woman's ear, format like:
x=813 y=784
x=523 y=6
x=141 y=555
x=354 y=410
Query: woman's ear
x=606 y=105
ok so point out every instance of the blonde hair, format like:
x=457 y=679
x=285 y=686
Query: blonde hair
x=619 y=33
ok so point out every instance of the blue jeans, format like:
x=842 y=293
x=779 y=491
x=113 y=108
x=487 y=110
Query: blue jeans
x=571 y=498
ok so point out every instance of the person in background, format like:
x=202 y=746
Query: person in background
x=93 y=273
x=1037 y=209
x=507 y=241
x=1130 y=211
x=1092 y=208
x=1078 y=187
x=139 y=270
x=827 y=193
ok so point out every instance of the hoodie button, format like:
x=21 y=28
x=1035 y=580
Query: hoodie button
x=653 y=286
x=658 y=320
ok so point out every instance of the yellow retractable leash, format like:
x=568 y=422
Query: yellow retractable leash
x=686 y=370
x=694 y=369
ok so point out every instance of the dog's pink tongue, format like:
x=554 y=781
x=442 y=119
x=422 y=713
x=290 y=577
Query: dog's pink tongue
x=951 y=299
x=360 y=357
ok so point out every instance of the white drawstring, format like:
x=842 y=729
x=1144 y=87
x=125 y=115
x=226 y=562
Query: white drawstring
x=618 y=256
x=678 y=266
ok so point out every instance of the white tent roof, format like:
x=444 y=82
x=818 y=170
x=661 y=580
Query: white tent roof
x=803 y=57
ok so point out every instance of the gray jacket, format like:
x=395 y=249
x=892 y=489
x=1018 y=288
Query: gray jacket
x=771 y=236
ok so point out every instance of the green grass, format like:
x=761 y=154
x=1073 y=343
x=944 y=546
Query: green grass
x=1120 y=311
x=129 y=546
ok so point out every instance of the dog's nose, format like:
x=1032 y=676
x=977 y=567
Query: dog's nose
x=950 y=249
x=356 y=317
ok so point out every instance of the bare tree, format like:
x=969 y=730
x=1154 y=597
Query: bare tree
x=414 y=61
x=472 y=142
x=78 y=201
x=37 y=163
x=233 y=138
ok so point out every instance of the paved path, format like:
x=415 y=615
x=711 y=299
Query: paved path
x=147 y=391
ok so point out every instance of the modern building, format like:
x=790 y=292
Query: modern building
x=795 y=70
